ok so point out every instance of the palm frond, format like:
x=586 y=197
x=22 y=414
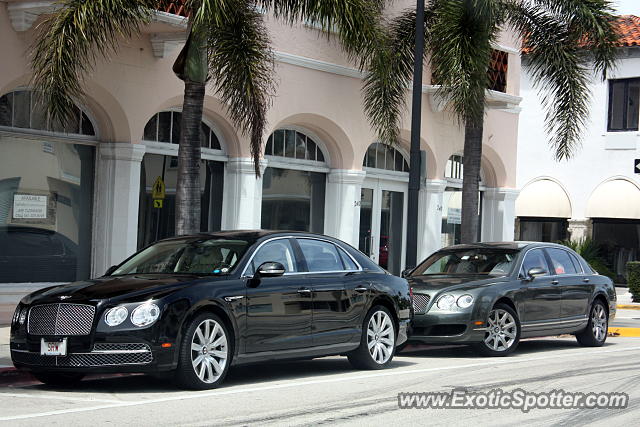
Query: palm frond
x=72 y=39
x=390 y=70
x=241 y=65
x=460 y=43
x=559 y=64
x=356 y=22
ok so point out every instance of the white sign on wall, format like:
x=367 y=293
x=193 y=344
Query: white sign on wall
x=29 y=206
x=454 y=216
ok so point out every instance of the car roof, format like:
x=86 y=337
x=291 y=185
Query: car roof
x=516 y=245
x=249 y=234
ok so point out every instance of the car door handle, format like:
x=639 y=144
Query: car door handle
x=361 y=289
x=304 y=291
x=554 y=282
x=585 y=280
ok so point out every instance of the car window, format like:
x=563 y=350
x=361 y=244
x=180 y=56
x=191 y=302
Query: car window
x=534 y=259
x=561 y=262
x=576 y=262
x=347 y=261
x=320 y=256
x=493 y=261
x=275 y=251
x=202 y=256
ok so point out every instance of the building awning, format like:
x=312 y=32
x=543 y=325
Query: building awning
x=617 y=198
x=543 y=198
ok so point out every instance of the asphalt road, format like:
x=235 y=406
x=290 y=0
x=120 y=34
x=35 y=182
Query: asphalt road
x=329 y=391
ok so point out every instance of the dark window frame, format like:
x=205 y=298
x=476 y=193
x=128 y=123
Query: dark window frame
x=625 y=102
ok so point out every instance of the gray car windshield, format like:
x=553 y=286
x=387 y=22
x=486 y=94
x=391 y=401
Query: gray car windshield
x=203 y=257
x=495 y=262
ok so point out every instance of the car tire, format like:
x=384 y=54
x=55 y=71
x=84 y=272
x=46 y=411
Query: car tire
x=503 y=332
x=595 y=334
x=377 y=343
x=205 y=353
x=59 y=379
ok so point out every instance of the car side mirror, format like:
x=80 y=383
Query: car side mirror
x=406 y=273
x=270 y=269
x=536 y=272
x=111 y=270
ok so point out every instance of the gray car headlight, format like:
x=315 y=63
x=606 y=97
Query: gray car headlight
x=116 y=316
x=445 y=302
x=145 y=314
x=465 y=301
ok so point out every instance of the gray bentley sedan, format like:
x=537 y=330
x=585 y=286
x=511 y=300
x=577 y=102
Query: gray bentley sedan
x=491 y=295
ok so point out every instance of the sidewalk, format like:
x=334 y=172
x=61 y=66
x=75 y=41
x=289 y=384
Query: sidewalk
x=5 y=356
x=624 y=300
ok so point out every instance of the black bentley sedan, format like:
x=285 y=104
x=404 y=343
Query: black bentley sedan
x=193 y=306
x=492 y=294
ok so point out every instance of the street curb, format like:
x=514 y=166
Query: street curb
x=12 y=376
x=624 y=332
x=628 y=307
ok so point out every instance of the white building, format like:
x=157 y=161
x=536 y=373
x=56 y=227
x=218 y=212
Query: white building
x=596 y=193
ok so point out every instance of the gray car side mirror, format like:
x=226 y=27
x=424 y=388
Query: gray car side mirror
x=536 y=272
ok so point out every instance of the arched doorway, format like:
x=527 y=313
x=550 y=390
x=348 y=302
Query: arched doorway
x=383 y=207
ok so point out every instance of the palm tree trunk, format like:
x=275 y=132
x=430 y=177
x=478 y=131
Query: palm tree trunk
x=471 y=180
x=188 y=188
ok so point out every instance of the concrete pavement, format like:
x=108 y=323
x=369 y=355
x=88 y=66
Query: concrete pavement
x=329 y=391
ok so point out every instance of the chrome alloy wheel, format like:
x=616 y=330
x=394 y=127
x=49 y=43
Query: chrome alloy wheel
x=501 y=330
x=599 y=322
x=209 y=351
x=380 y=337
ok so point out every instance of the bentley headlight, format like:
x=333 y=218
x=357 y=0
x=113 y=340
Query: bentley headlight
x=145 y=314
x=116 y=316
x=445 y=302
x=465 y=301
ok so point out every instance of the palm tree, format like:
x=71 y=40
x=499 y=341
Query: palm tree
x=564 y=41
x=227 y=45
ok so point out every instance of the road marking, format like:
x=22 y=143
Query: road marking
x=50 y=396
x=386 y=373
x=625 y=332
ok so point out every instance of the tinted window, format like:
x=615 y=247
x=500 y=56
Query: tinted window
x=347 y=261
x=468 y=261
x=576 y=262
x=534 y=259
x=211 y=256
x=275 y=251
x=561 y=262
x=320 y=256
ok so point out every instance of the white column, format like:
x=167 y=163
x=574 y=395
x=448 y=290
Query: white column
x=342 y=204
x=498 y=214
x=430 y=217
x=579 y=229
x=117 y=194
x=242 y=195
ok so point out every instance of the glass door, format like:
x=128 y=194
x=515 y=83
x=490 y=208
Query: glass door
x=382 y=223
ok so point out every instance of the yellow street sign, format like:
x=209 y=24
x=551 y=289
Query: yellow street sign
x=157 y=203
x=157 y=192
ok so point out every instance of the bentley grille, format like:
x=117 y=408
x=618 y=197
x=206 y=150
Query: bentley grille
x=61 y=319
x=420 y=303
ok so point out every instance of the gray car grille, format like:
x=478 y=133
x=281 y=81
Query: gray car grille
x=61 y=319
x=420 y=303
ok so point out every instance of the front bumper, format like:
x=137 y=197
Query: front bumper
x=446 y=328
x=131 y=351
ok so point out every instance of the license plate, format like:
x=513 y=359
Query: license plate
x=53 y=348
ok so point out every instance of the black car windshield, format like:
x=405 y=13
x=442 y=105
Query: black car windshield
x=201 y=256
x=495 y=262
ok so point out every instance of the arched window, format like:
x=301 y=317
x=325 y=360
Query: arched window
x=46 y=192
x=383 y=156
x=293 y=145
x=165 y=127
x=21 y=109
x=294 y=183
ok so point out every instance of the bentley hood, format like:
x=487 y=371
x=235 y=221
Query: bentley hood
x=439 y=282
